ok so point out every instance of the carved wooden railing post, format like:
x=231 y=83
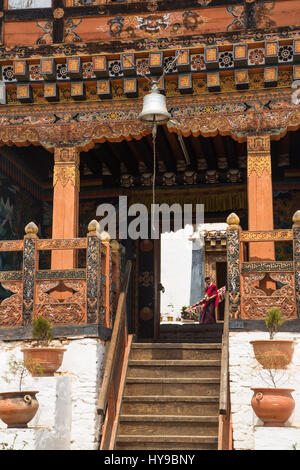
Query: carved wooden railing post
x=105 y=240
x=115 y=249
x=233 y=265
x=93 y=272
x=296 y=252
x=30 y=266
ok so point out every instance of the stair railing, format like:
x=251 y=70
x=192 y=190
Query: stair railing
x=110 y=397
x=225 y=432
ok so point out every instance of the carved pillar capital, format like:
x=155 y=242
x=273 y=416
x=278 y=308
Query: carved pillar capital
x=66 y=166
x=258 y=154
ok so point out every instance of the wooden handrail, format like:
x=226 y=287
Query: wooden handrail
x=113 y=347
x=225 y=428
x=224 y=360
x=276 y=235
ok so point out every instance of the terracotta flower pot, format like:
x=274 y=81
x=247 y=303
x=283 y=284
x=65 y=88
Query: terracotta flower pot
x=43 y=362
x=273 y=353
x=273 y=406
x=18 y=408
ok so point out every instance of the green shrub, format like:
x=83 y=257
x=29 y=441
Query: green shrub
x=273 y=320
x=42 y=330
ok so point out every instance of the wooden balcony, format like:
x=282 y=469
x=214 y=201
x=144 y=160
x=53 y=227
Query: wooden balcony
x=78 y=298
x=254 y=286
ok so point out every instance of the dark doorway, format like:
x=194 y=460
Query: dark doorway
x=221 y=280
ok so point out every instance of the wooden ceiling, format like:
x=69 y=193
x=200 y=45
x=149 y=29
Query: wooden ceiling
x=180 y=160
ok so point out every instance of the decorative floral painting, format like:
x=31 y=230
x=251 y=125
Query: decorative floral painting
x=155 y=25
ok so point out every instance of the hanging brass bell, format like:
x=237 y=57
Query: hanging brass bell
x=154 y=107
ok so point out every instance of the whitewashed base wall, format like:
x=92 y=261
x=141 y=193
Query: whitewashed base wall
x=245 y=372
x=67 y=416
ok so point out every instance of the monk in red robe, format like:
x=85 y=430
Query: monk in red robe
x=207 y=314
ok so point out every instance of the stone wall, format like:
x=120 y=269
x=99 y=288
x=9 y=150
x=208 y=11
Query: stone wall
x=245 y=372
x=67 y=417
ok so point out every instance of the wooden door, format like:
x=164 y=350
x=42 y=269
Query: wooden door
x=221 y=281
x=156 y=288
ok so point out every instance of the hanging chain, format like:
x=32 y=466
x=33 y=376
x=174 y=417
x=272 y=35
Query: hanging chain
x=155 y=81
x=154 y=132
x=170 y=65
x=166 y=68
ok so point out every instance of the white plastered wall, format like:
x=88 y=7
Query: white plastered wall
x=67 y=415
x=248 y=431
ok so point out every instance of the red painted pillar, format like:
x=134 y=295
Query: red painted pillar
x=260 y=196
x=66 y=184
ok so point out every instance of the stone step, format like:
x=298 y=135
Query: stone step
x=191 y=333
x=171 y=396
x=145 y=442
x=172 y=386
x=189 y=338
x=171 y=405
x=175 y=362
x=183 y=351
x=195 y=327
x=168 y=425
x=146 y=369
x=157 y=345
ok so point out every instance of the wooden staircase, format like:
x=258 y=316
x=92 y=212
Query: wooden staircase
x=191 y=333
x=171 y=397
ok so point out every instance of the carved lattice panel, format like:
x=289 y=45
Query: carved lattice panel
x=256 y=302
x=71 y=310
x=11 y=308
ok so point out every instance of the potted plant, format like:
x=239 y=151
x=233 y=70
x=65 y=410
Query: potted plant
x=273 y=406
x=273 y=353
x=49 y=358
x=17 y=408
x=184 y=315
